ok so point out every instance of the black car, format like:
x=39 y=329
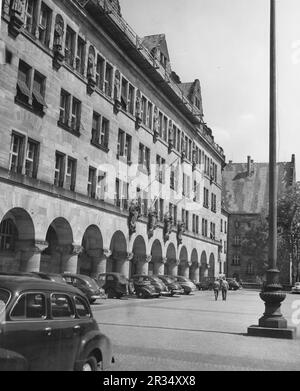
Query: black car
x=156 y=282
x=114 y=284
x=173 y=286
x=85 y=283
x=50 y=277
x=233 y=284
x=48 y=326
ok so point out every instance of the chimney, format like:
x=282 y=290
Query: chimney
x=249 y=165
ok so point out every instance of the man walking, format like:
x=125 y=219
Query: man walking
x=216 y=288
x=224 y=287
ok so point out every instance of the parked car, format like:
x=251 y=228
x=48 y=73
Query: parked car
x=85 y=283
x=158 y=284
x=12 y=361
x=173 y=287
x=187 y=285
x=296 y=288
x=48 y=326
x=114 y=284
x=233 y=284
x=50 y=277
x=205 y=284
x=144 y=289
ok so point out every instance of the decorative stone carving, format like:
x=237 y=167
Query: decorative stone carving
x=148 y=258
x=129 y=256
x=76 y=249
x=152 y=222
x=164 y=260
x=117 y=92
x=155 y=125
x=17 y=15
x=91 y=71
x=167 y=226
x=58 y=56
x=183 y=156
x=138 y=109
x=134 y=214
x=40 y=246
x=180 y=231
x=107 y=253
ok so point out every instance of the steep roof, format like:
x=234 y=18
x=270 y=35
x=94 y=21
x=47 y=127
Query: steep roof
x=156 y=41
x=248 y=192
x=192 y=89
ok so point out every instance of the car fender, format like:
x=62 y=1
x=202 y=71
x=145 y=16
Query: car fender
x=12 y=361
x=95 y=340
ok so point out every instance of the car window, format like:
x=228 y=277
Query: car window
x=61 y=306
x=4 y=298
x=68 y=279
x=82 y=308
x=110 y=278
x=30 y=306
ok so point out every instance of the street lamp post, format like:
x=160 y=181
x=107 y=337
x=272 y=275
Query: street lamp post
x=272 y=323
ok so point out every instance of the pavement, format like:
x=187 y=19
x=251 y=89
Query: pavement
x=196 y=333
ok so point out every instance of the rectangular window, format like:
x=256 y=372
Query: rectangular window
x=144 y=110
x=100 y=67
x=144 y=157
x=165 y=129
x=101 y=185
x=65 y=101
x=31 y=159
x=16 y=153
x=161 y=209
x=108 y=80
x=104 y=132
x=117 y=193
x=160 y=169
x=178 y=140
x=186 y=220
x=100 y=130
x=124 y=94
x=45 y=24
x=30 y=14
x=24 y=82
x=91 y=188
x=172 y=178
x=75 y=116
x=80 y=56
x=96 y=128
x=124 y=145
x=149 y=115
x=70 y=46
x=38 y=91
x=71 y=174
x=59 y=169
x=121 y=194
x=131 y=99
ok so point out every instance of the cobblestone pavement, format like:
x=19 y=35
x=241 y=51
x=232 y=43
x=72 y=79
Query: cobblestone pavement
x=194 y=333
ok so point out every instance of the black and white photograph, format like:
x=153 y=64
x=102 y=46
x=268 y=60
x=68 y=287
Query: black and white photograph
x=149 y=188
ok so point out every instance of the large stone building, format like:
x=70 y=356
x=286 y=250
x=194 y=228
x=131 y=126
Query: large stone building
x=105 y=160
x=246 y=197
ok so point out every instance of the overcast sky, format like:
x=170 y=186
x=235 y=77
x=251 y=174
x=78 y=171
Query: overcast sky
x=225 y=44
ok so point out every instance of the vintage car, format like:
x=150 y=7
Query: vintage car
x=50 y=277
x=173 y=286
x=233 y=284
x=206 y=283
x=296 y=288
x=187 y=285
x=48 y=326
x=85 y=283
x=158 y=284
x=114 y=284
x=143 y=288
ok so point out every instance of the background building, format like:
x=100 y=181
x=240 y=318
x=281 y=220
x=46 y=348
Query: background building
x=105 y=161
x=246 y=197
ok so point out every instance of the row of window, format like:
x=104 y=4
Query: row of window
x=236 y=261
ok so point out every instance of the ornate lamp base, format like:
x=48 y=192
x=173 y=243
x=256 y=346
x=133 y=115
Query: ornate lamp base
x=272 y=324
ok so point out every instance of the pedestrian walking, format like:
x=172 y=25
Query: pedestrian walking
x=216 y=288
x=224 y=287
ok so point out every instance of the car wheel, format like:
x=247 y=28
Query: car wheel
x=110 y=293
x=90 y=364
x=140 y=295
x=92 y=301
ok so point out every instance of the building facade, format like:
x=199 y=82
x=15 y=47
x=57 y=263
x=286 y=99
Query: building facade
x=246 y=197
x=106 y=163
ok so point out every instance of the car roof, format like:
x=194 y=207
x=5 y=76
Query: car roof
x=20 y=283
x=76 y=275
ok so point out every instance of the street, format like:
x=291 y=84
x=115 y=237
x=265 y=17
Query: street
x=194 y=333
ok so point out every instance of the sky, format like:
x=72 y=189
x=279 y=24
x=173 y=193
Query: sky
x=225 y=44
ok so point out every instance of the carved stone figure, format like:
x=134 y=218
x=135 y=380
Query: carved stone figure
x=138 y=109
x=152 y=222
x=180 y=231
x=134 y=213
x=167 y=226
x=58 y=33
x=18 y=7
x=155 y=124
x=91 y=71
x=17 y=17
x=171 y=136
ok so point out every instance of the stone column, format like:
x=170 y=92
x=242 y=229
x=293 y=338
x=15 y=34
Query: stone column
x=173 y=268
x=143 y=264
x=124 y=264
x=70 y=258
x=195 y=272
x=99 y=258
x=159 y=267
x=186 y=269
x=31 y=256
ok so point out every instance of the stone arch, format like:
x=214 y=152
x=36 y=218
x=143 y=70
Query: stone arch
x=139 y=264
x=92 y=245
x=171 y=264
x=194 y=269
x=183 y=267
x=57 y=255
x=156 y=265
x=203 y=265
x=117 y=262
x=211 y=269
x=17 y=240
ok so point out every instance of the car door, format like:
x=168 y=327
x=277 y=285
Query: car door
x=25 y=330
x=65 y=330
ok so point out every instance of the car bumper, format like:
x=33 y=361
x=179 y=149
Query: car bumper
x=177 y=291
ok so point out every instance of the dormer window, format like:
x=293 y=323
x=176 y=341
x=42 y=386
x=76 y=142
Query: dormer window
x=163 y=60
x=197 y=102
